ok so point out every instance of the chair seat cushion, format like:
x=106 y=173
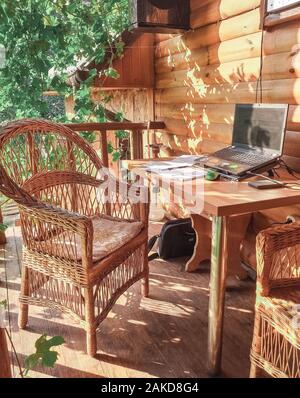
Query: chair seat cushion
x=282 y=308
x=109 y=235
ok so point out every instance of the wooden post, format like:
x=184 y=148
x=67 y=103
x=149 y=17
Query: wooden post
x=137 y=144
x=103 y=139
x=5 y=369
x=2 y=234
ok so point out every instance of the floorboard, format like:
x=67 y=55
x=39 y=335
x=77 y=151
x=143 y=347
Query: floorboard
x=164 y=335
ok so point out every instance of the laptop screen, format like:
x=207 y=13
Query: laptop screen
x=260 y=126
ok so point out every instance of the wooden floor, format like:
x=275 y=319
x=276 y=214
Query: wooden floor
x=164 y=335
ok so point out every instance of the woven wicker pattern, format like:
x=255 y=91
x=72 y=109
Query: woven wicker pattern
x=55 y=178
x=276 y=341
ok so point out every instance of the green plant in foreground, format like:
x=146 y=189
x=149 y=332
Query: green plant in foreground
x=3 y=227
x=3 y=304
x=44 y=354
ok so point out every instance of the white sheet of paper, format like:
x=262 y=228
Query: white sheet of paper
x=179 y=162
x=182 y=174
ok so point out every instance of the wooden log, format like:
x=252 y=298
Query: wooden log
x=285 y=91
x=181 y=145
x=291 y=144
x=181 y=60
x=281 y=39
x=281 y=66
x=244 y=47
x=196 y=129
x=231 y=28
x=236 y=49
x=211 y=146
x=233 y=72
x=276 y=66
x=219 y=10
x=294 y=118
x=216 y=113
x=210 y=113
x=293 y=162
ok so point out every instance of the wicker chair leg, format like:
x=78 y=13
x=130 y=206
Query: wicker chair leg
x=91 y=338
x=23 y=314
x=145 y=280
x=145 y=286
x=91 y=343
x=255 y=370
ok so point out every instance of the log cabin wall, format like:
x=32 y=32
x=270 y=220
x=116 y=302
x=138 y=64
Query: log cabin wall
x=202 y=74
x=136 y=105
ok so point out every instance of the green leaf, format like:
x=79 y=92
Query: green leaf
x=116 y=156
x=42 y=36
x=31 y=361
x=112 y=73
x=110 y=148
x=119 y=117
x=56 y=341
x=121 y=134
x=40 y=342
x=43 y=355
x=3 y=303
x=3 y=227
x=49 y=358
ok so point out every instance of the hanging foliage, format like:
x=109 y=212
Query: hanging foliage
x=45 y=40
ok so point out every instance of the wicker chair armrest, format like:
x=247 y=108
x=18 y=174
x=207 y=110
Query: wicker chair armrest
x=276 y=251
x=77 y=223
x=56 y=232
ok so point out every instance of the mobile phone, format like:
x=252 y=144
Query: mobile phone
x=265 y=184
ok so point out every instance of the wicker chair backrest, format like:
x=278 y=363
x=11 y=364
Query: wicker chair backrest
x=29 y=147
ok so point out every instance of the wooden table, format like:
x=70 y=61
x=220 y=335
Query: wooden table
x=224 y=200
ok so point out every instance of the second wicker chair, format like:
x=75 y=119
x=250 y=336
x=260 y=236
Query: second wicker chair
x=276 y=341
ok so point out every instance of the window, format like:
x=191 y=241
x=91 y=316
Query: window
x=280 y=11
x=277 y=5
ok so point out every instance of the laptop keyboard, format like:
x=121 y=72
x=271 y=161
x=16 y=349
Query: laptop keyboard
x=250 y=158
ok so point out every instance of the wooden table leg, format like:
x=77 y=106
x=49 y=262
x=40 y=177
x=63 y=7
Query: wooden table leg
x=202 y=249
x=219 y=261
x=237 y=227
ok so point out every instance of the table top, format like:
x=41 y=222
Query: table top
x=225 y=198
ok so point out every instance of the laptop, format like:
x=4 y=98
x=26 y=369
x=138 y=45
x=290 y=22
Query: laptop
x=258 y=139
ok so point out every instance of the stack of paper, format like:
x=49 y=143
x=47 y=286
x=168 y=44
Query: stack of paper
x=180 y=174
x=179 y=162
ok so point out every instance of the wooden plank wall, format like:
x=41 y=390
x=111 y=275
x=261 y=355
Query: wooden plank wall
x=201 y=75
x=135 y=67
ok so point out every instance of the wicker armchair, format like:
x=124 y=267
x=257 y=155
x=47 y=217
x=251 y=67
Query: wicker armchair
x=276 y=341
x=84 y=240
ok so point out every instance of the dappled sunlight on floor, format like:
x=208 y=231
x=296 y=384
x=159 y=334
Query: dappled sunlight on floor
x=164 y=335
